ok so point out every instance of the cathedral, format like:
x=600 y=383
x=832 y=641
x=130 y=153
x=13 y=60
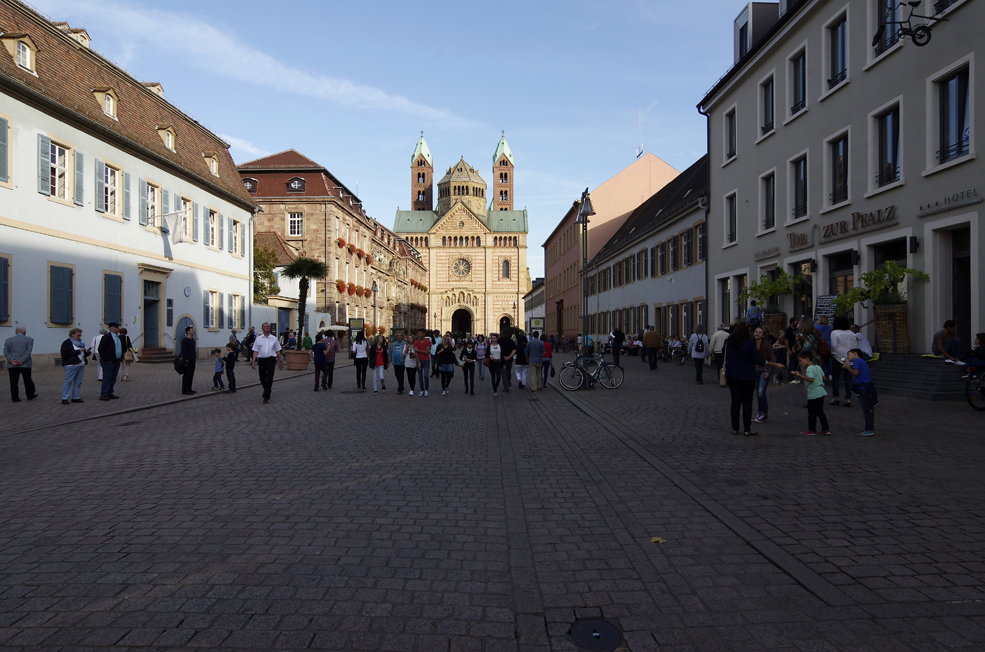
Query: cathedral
x=474 y=246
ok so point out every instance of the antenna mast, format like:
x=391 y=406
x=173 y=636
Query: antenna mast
x=639 y=150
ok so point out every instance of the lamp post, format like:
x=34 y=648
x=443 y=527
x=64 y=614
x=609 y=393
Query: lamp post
x=584 y=211
x=514 y=315
x=375 y=322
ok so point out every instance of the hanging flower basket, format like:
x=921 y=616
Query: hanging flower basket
x=368 y=293
x=351 y=289
x=340 y=285
x=360 y=253
x=369 y=259
x=359 y=290
x=351 y=248
x=341 y=243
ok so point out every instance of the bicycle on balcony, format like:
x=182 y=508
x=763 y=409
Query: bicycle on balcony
x=920 y=35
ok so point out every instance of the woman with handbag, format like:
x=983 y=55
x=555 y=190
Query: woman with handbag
x=360 y=361
x=129 y=357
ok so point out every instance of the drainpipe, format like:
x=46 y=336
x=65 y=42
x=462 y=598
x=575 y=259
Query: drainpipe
x=707 y=207
x=256 y=211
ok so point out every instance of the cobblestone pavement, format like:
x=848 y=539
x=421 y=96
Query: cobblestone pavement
x=348 y=521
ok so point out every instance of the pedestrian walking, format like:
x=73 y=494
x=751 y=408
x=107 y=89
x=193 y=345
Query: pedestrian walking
x=535 y=357
x=410 y=362
x=445 y=357
x=422 y=345
x=95 y=352
x=651 y=345
x=17 y=352
x=360 y=352
x=398 y=354
x=842 y=341
x=855 y=364
x=813 y=375
x=306 y=342
x=220 y=364
x=699 y=345
x=761 y=338
x=717 y=347
x=617 y=338
x=481 y=344
x=494 y=361
x=331 y=351
x=247 y=345
x=754 y=316
x=129 y=356
x=232 y=356
x=808 y=341
x=790 y=339
x=189 y=353
x=317 y=354
x=548 y=360
x=741 y=358
x=468 y=357
x=74 y=354
x=435 y=342
x=266 y=351
x=234 y=340
x=110 y=357
x=378 y=359
x=508 y=347
x=522 y=362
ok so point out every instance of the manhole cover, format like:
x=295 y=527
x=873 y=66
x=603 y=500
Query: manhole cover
x=352 y=391
x=598 y=635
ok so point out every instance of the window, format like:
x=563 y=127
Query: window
x=212 y=229
x=295 y=224
x=731 y=220
x=109 y=105
x=237 y=238
x=730 y=127
x=688 y=247
x=183 y=207
x=23 y=55
x=653 y=260
x=838 y=52
x=674 y=260
x=111 y=190
x=59 y=172
x=214 y=166
x=702 y=239
x=169 y=140
x=798 y=83
x=213 y=306
x=61 y=287
x=153 y=194
x=798 y=181
x=838 y=169
x=954 y=119
x=888 y=25
x=506 y=269
x=887 y=125
x=4 y=289
x=296 y=185
x=743 y=40
x=112 y=298
x=662 y=257
x=420 y=177
x=766 y=92
x=768 y=200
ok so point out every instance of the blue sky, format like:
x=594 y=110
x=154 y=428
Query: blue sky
x=352 y=84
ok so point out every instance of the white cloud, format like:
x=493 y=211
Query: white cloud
x=215 y=51
x=244 y=146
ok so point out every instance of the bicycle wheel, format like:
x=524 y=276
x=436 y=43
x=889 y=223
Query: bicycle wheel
x=921 y=35
x=610 y=376
x=678 y=355
x=571 y=377
x=974 y=390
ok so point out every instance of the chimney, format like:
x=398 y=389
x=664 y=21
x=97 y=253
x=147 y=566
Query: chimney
x=155 y=88
x=77 y=34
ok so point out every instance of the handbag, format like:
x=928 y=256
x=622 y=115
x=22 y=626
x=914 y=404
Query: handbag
x=179 y=365
x=128 y=356
x=722 y=381
x=552 y=371
x=485 y=362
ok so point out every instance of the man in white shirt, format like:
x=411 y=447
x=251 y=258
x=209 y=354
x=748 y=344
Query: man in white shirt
x=717 y=346
x=266 y=349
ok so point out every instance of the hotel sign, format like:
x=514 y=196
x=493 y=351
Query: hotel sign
x=858 y=223
x=950 y=202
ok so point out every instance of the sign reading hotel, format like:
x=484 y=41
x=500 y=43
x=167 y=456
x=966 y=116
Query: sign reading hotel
x=859 y=223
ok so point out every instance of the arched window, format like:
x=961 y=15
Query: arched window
x=506 y=269
x=516 y=242
x=426 y=242
x=444 y=241
x=477 y=241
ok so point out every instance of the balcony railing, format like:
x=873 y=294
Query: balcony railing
x=798 y=107
x=888 y=175
x=839 y=195
x=837 y=79
x=768 y=127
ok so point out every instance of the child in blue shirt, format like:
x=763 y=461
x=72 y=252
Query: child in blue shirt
x=813 y=377
x=864 y=387
x=217 y=384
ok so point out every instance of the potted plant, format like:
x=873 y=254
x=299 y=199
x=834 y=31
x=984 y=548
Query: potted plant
x=764 y=291
x=359 y=290
x=360 y=254
x=369 y=259
x=302 y=269
x=351 y=289
x=351 y=248
x=885 y=289
x=341 y=243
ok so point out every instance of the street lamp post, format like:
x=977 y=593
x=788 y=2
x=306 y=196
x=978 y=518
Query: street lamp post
x=375 y=322
x=584 y=211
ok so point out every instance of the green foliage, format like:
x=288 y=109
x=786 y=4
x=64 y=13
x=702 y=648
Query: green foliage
x=766 y=288
x=879 y=287
x=264 y=281
x=304 y=269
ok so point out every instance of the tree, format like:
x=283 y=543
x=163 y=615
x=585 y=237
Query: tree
x=264 y=280
x=304 y=269
x=766 y=288
x=879 y=287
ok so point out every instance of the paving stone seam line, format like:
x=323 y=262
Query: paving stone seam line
x=530 y=622
x=153 y=406
x=783 y=560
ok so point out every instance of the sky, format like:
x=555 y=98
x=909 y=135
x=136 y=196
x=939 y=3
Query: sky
x=352 y=84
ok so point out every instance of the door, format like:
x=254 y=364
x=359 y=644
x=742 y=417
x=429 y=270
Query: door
x=283 y=320
x=961 y=286
x=179 y=332
x=152 y=315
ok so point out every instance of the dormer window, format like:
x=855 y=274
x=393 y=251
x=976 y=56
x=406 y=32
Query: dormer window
x=21 y=49
x=166 y=132
x=169 y=140
x=250 y=185
x=297 y=184
x=23 y=55
x=109 y=105
x=107 y=99
x=213 y=162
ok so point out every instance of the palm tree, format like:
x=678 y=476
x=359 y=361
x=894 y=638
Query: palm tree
x=304 y=269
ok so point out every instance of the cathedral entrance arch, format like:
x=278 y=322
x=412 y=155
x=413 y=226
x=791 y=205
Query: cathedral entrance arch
x=461 y=322
x=504 y=323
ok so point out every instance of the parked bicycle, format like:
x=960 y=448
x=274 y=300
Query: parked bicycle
x=680 y=354
x=919 y=34
x=589 y=370
x=974 y=387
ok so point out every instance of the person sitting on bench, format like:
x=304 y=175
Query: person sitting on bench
x=947 y=344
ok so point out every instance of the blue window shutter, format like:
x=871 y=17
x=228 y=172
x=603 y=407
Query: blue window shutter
x=222 y=231
x=69 y=300
x=142 y=202
x=4 y=172
x=195 y=222
x=112 y=298
x=60 y=307
x=221 y=317
x=242 y=313
x=242 y=238
x=44 y=164
x=165 y=203
x=230 y=317
x=79 y=178
x=126 y=195
x=231 y=234
x=4 y=289
x=100 y=186
x=206 y=318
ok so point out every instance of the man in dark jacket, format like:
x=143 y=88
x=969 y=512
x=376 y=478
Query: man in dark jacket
x=618 y=338
x=110 y=357
x=189 y=353
x=509 y=352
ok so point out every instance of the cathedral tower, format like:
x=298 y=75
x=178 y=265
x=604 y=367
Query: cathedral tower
x=502 y=199
x=421 y=177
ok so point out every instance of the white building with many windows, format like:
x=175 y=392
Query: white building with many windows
x=838 y=141
x=114 y=205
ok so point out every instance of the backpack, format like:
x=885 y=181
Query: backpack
x=699 y=346
x=179 y=365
